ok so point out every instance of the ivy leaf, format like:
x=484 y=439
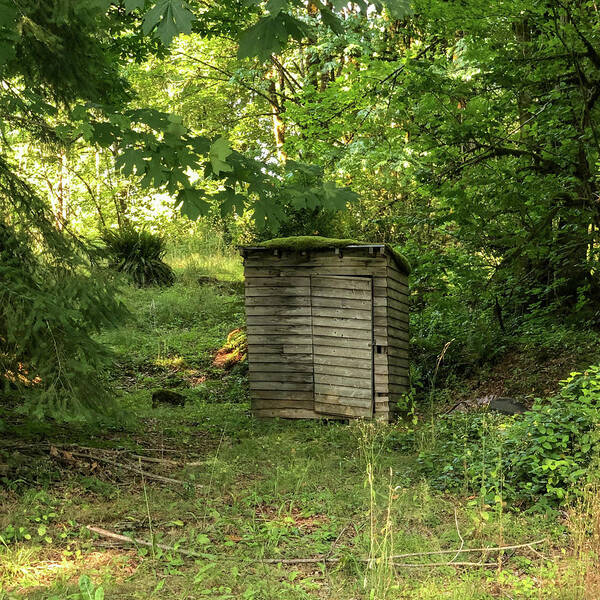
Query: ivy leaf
x=168 y=18
x=192 y=203
x=219 y=151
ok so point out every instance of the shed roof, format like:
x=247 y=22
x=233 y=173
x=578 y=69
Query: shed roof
x=315 y=242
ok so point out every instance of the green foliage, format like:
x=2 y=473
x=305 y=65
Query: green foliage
x=139 y=254
x=554 y=448
x=543 y=456
x=50 y=363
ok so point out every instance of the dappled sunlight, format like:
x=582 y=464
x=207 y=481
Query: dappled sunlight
x=24 y=569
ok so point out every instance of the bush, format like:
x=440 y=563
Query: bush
x=139 y=254
x=552 y=448
x=543 y=456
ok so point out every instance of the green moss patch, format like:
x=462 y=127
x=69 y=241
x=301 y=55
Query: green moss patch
x=316 y=242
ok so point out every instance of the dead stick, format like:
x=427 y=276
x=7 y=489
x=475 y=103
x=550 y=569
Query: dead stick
x=493 y=549
x=296 y=561
x=444 y=564
x=129 y=540
x=165 y=461
x=129 y=468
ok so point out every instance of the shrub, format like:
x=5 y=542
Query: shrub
x=139 y=254
x=552 y=448
x=545 y=455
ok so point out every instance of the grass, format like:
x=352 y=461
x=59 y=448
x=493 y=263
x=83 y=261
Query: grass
x=252 y=490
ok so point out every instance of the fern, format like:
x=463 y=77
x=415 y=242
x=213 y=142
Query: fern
x=139 y=254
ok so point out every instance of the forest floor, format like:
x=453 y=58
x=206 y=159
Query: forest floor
x=225 y=500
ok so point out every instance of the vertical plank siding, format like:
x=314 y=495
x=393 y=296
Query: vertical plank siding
x=321 y=344
x=398 y=325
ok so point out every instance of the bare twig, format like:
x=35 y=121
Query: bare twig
x=129 y=468
x=325 y=559
x=125 y=539
x=482 y=549
x=462 y=541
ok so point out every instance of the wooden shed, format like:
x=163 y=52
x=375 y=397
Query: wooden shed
x=327 y=328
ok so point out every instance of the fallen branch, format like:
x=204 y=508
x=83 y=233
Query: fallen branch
x=444 y=564
x=129 y=540
x=146 y=474
x=164 y=461
x=482 y=549
x=322 y=558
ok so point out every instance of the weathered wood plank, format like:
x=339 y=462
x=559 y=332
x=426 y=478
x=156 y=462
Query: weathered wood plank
x=343 y=281
x=400 y=384
x=391 y=323
x=384 y=333
x=356 y=344
x=325 y=409
x=341 y=383
x=351 y=390
x=257 y=321
x=286 y=413
x=352 y=294
x=395 y=294
x=280 y=330
x=397 y=286
x=276 y=363
x=398 y=354
x=273 y=291
x=394 y=273
x=275 y=300
x=278 y=376
x=290 y=386
x=381 y=369
x=313 y=260
x=292 y=281
x=276 y=352
x=341 y=391
x=279 y=394
x=341 y=303
x=352 y=362
x=271 y=310
x=342 y=370
x=343 y=333
x=399 y=365
x=386 y=302
x=316 y=270
x=399 y=311
x=294 y=339
x=397 y=348
x=336 y=400
x=325 y=352
x=354 y=318
x=274 y=404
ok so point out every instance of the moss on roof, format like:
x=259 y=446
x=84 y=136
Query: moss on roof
x=317 y=242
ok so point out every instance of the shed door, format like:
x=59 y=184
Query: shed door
x=342 y=330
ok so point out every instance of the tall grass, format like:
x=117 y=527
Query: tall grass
x=379 y=575
x=583 y=521
x=204 y=254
